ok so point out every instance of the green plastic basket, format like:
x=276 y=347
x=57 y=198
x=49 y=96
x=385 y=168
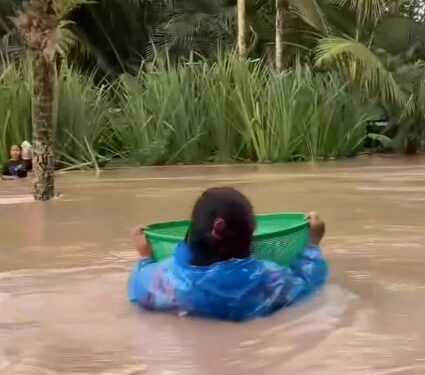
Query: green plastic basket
x=279 y=237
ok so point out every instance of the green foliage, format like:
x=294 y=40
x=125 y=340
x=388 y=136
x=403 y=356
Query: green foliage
x=228 y=110
x=84 y=128
x=84 y=132
x=222 y=112
x=64 y=8
x=233 y=111
x=414 y=9
x=359 y=64
x=15 y=108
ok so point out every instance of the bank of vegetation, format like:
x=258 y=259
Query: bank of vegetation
x=189 y=81
x=222 y=112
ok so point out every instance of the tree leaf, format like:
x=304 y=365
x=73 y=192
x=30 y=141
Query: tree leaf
x=359 y=64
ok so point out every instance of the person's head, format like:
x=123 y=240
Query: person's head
x=15 y=152
x=222 y=227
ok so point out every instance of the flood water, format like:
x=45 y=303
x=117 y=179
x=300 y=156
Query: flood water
x=64 y=265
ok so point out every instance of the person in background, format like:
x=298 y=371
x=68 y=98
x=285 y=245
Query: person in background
x=16 y=167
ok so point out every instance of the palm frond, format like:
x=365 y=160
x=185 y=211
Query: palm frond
x=65 y=7
x=312 y=13
x=66 y=39
x=412 y=79
x=189 y=26
x=361 y=65
x=365 y=10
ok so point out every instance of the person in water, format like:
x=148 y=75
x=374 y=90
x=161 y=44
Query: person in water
x=16 y=167
x=212 y=273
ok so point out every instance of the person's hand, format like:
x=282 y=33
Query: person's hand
x=142 y=245
x=317 y=229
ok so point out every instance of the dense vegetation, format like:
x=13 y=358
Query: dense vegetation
x=223 y=112
x=157 y=81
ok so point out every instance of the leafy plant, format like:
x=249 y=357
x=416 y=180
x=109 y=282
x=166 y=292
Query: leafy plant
x=15 y=108
x=233 y=110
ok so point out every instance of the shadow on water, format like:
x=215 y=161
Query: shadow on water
x=64 y=264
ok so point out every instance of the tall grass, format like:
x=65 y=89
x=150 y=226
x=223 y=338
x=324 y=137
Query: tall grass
x=232 y=111
x=223 y=112
x=83 y=123
x=15 y=107
x=84 y=132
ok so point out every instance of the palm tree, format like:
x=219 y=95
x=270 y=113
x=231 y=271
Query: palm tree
x=280 y=25
x=242 y=39
x=343 y=35
x=171 y=30
x=379 y=34
x=41 y=25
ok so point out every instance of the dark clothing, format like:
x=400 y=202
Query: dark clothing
x=18 y=168
x=27 y=164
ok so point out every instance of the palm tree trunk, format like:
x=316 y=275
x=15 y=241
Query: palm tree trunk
x=280 y=25
x=42 y=121
x=38 y=26
x=242 y=45
x=43 y=108
x=395 y=7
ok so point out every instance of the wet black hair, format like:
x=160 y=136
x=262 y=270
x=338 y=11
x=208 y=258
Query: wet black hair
x=211 y=243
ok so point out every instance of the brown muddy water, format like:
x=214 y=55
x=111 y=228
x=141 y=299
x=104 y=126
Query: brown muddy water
x=64 y=265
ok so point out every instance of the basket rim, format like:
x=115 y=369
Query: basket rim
x=151 y=234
